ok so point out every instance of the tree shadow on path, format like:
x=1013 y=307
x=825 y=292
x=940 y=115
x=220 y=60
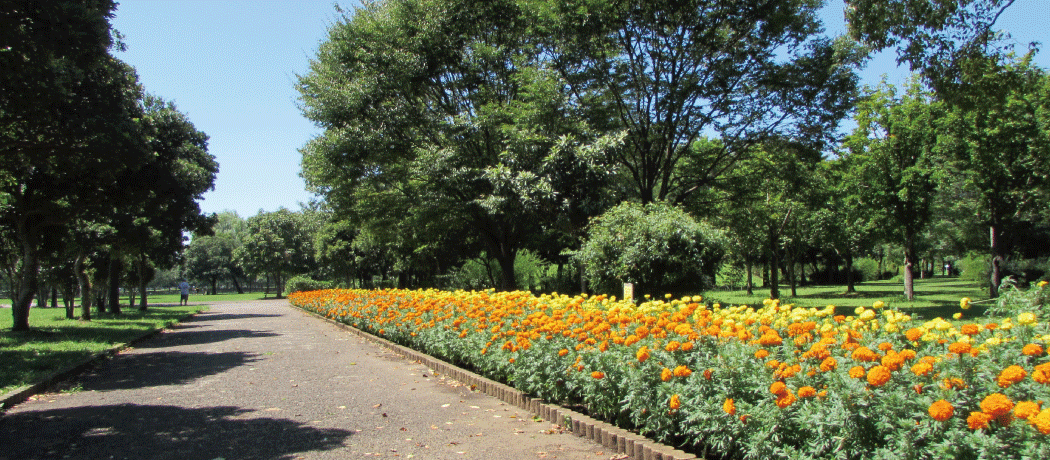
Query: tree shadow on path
x=159 y=432
x=160 y=368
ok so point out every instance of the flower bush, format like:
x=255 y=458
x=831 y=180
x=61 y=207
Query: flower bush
x=771 y=382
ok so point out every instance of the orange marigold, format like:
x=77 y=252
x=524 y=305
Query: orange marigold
x=687 y=346
x=666 y=374
x=960 y=348
x=1041 y=421
x=682 y=371
x=970 y=329
x=708 y=373
x=807 y=392
x=893 y=361
x=829 y=364
x=1041 y=373
x=857 y=372
x=1026 y=409
x=878 y=376
x=675 y=402
x=921 y=368
x=885 y=346
x=642 y=354
x=729 y=407
x=598 y=374
x=1032 y=349
x=864 y=354
x=673 y=345
x=941 y=410
x=762 y=353
x=913 y=334
x=778 y=388
x=978 y=420
x=785 y=399
x=563 y=352
x=1011 y=375
x=996 y=404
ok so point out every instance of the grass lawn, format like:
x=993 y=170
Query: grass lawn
x=202 y=298
x=56 y=343
x=937 y=296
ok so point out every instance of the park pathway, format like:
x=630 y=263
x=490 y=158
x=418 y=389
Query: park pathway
x=263 y=380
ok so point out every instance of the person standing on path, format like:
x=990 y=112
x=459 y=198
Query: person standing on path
x=184 y=289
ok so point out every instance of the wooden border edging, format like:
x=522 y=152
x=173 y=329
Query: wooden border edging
x=615 y=438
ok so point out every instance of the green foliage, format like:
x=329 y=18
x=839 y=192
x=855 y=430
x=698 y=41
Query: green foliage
x=974 y=268
x=868 y=268
x=303 y=283
x=658 y=247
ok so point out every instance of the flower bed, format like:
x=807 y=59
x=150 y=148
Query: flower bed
x=776 y=382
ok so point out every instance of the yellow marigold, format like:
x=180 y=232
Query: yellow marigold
x=1011 y=375
x=762 y=353
x=666 y=374
x=964 y=303
x=1032 y=349
x=941 y=410
x=921 y=368
x=978 y=420
x=878 y=376
x=996 y=404
x=864 y=354
x=807 y=392
x=829 y=364
x=675 y=402
x=729 y=407
x=857 y=372
x=1026 y=409
x=1041 y=421
x=960 y=348
x=642 y=354
x=778 y=388
x=1026 y=318
x=1042 y=284
x=598 y=374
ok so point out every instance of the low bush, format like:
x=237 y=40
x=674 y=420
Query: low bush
x=302 y=283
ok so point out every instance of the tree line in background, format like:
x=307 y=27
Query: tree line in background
x=98 y=179
x=664 y=143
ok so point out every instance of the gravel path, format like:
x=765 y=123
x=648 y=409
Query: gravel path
x=262 y=380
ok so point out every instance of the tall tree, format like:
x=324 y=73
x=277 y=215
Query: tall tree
x=67 y=123
x=892 y=154
x=670 y=72
x=279 y=244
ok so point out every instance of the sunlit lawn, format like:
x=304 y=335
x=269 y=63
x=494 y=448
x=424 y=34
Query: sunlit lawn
x=937 y=296
x=55 y=343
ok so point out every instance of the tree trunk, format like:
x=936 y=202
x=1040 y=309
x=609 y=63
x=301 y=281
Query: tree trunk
x=749 y=267
x=850 y=287
x=790 y=266
x=142 y=282
x=214 y=285
x=774 y=267
x=85 y=286
x=115 y=268
x=54 y=296
x=996 y=278
x=28 y=278
x=236 y=285
x=909 y=274
x=69 y=298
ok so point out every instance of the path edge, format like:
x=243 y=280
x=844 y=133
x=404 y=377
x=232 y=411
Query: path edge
x=23 y=393
x=635 y=446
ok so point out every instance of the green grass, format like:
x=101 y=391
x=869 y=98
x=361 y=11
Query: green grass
x=55 y=343
x=202 y=298
x=937 y=296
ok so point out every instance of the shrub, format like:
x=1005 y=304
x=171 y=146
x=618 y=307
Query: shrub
x=975 y=268
x=303 y=283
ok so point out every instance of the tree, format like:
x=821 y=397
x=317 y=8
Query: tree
x=67 y=128
x=657 y=247
x=278 y=243
x=999 y=145
x=669 y=73
x=892 y=154
x=210 y=258
x=446 y=109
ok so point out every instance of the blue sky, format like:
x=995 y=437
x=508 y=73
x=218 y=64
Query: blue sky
x=231 y=67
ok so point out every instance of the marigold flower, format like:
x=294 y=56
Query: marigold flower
x=675 y=402
x=996 y=404
x=1026 y=409
x=598 y=375
x=762 y=353
x=1041 y=421
x=978 y=420
x=893 y=361
x=1032 y=349
x=941 y=410
x=778 y=388
x=807 y=392
x=1042 y=284
x=1041 y=373
x=666 y=374
x=687 y=346
x=914 y=334
x=673 y=345
x=642 y=354
x=964 y=303
x=729 y=407
x=857 y=372
x=1011 y=375
x=829 y=364
x=708 y=373
x=1026 y=318
x=785 y=399
x=960 y=348
x=864 y=354
x=885 y=346
x=563 y=352
x=878 y=376
x=921 y=368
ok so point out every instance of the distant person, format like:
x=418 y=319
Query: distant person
x=184 y=289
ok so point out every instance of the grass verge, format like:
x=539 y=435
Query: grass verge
x=56 y=343
x=934 y=297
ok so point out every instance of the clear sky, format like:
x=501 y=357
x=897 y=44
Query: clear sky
x=231 y=66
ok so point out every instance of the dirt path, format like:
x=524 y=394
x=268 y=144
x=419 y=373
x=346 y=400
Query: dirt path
x=262 y=380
